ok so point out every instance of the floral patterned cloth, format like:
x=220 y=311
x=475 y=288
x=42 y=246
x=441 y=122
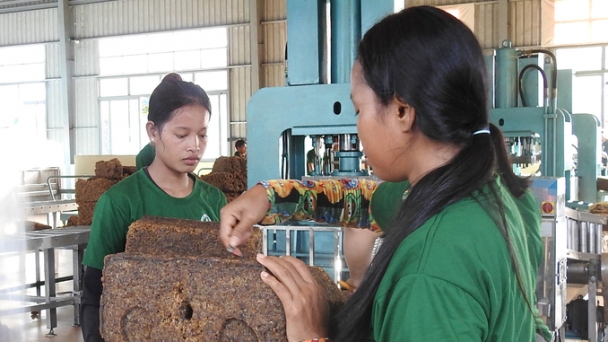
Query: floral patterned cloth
x=344 y=202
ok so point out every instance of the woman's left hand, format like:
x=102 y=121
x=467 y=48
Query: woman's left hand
x=303 y=299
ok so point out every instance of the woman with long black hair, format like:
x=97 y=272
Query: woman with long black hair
x=461 y=253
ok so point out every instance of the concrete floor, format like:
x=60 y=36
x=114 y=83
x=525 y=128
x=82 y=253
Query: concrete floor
x=28 y=328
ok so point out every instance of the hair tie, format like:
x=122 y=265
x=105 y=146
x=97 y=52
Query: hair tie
x=482 y=131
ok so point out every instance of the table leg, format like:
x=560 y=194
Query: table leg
x=37 y=257
x=77 y=256
x=49 y=288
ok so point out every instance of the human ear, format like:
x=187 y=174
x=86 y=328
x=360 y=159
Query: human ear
x=405 y=115
x=152 y=132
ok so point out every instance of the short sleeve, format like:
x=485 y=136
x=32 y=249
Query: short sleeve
x=385 y=203
x=421 y=308
x=108 y=232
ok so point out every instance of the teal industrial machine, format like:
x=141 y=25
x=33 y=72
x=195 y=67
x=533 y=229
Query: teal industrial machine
x=545 y=137
x=316 y=101
x=532 y=105
x=313 y=112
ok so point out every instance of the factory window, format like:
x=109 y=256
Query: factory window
x=590 y=81
x=130 y=69
x=124 y=111
x=23 y=90
x=581 y=21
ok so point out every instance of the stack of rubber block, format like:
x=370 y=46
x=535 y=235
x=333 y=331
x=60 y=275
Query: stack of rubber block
x=176 y=282
x=88 y=191
x=229 y=174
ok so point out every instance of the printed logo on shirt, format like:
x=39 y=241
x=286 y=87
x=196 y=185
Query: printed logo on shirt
x=205 y=218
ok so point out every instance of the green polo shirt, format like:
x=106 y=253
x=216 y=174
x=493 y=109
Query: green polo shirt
x=137 y=196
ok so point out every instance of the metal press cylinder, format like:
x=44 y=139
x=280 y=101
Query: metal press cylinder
x=345 y=35
x=576 y=227
x=592 y=237
x=569 y=232
x=349 y=142
x=584 y=237
x=506 y=76
x=598 y=238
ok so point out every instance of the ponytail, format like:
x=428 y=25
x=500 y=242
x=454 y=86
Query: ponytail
x=430 y=60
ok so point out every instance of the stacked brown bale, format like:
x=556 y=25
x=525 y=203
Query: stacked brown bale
x=34 y=226
x=229 y=174
x=72 y=221
x=149 y=235
x=176 y=282
x=88 y=191
x=109 y=169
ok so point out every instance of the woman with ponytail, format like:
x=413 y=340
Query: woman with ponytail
x=177 y=126
x=462 y=250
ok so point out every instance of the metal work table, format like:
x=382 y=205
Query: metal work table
x=46 y=207
x=46 y=241
x=50 y=208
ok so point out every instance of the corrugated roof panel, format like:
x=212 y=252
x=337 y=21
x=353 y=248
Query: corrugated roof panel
x=275 y=40
x=55 y=119
x=31 y=27
x=238 y=130
x=86 y=56
x=274 y=10
x=239 y=50
x=52 y=61
x=142 y=16
x=240 y=85
x=86 y=102
x=274 y=75
x=525 y=22
x=86 y=141
x=485 y=17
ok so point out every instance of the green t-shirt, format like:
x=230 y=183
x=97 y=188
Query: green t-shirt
x=386 y=201
x=449 y=280
x=137 y=196
x=145 y=157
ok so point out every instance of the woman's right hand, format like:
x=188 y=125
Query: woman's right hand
x=304 y=300
x=238 y=217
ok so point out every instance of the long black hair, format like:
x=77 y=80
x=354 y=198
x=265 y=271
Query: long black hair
x=433 y=62
x=171 y=94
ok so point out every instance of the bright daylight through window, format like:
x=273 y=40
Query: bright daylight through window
x=131 y=67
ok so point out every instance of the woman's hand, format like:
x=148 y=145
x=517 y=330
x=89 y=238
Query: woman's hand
x=238 y=217
x=303 y=299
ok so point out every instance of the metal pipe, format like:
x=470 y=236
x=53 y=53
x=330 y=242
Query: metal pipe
x=545 y=86
x=553 y=95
